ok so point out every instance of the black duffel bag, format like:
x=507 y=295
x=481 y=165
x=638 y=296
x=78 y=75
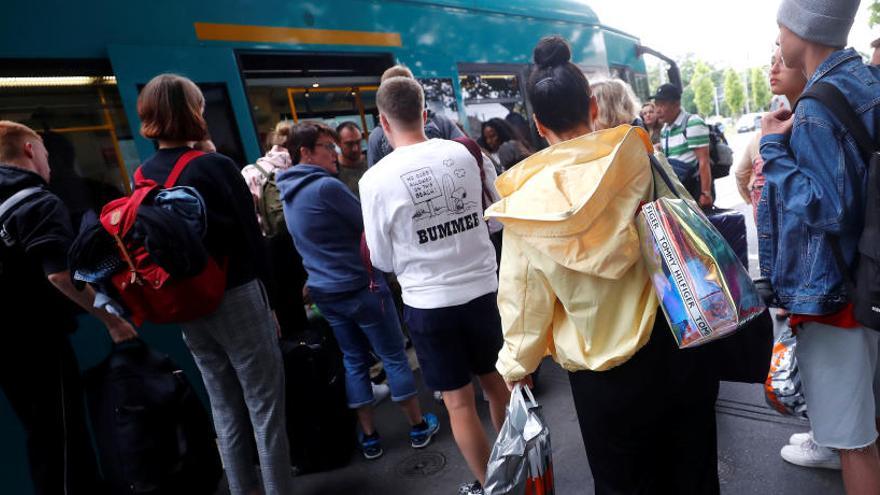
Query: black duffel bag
x=153 y=434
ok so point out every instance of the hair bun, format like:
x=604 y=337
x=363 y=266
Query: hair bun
x=552 y=51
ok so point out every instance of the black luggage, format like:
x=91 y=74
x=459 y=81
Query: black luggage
x=153 y=434
x=320 y=426
x=732 y=226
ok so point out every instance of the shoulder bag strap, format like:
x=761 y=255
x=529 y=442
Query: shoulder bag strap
x=475 y=151
x=181 y=164
x=7 y=206
x=16 y=199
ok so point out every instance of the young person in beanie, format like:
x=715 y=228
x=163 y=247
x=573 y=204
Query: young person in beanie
x=815 y=193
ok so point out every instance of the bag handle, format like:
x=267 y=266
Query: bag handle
x=520 y=393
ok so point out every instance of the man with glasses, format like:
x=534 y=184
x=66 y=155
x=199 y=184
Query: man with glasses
x=352 y=162
x=324 y=219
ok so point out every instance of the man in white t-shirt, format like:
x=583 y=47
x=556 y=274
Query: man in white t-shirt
x=423 y=220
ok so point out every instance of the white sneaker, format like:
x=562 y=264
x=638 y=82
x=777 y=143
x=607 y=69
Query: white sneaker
x=799 y=438
x=380 y=393
x=810 y=454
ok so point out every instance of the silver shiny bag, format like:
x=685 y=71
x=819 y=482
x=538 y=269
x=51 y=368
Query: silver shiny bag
x=521 y=462
x=783 y=388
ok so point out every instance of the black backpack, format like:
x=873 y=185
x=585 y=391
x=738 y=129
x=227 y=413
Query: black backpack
x=152 y=432
x=864 y=289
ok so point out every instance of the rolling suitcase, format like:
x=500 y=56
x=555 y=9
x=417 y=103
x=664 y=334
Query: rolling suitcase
x=732 y=226
x=320 y=425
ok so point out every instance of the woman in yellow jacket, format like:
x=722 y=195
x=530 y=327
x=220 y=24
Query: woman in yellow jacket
x=573 y=285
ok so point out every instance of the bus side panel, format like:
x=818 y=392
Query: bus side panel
x=136 y=65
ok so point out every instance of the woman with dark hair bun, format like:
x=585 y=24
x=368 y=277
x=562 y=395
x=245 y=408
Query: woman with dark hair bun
x=573 y=285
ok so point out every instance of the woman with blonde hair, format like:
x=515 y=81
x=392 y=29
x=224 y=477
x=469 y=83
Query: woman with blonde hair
x=617 y=103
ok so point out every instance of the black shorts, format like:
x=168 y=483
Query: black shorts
x=456 y=342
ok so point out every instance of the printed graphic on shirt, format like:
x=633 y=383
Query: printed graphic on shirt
x=443 y=198
x=432 y=198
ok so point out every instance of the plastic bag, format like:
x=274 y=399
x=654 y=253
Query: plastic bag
x=521 y=462
x=783 y=389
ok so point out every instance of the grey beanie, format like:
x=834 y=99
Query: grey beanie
x=826 y=22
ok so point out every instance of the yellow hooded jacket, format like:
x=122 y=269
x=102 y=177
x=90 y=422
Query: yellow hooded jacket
x=572 y=279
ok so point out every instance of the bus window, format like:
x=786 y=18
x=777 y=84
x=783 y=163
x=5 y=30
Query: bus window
x=84 y=129
x=489 y=92
x=440 y=97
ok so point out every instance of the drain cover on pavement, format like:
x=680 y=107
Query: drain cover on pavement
x=421 y=465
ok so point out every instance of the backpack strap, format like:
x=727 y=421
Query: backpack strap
x=833 y=99
x=267 y=175
x=7 y=206
x=181 y=164
x=475 y=151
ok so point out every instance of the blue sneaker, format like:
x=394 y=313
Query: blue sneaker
x=421 y=437
x=371 y=446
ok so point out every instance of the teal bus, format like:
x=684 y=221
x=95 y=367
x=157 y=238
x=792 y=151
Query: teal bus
x=73 y=70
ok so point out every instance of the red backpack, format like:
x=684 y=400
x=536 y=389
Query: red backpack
x=148 y=291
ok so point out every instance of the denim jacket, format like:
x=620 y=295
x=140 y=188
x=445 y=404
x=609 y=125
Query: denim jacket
x=816 y=185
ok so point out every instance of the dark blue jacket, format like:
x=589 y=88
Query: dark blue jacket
x=816 y=186
x=324 y=219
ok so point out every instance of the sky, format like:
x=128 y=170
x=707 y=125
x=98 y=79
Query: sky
x=726 y=33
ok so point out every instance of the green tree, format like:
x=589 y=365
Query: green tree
x=874 y=10
x=759 y=89
x=734 y=93
x=687 y=99
x=704 y=95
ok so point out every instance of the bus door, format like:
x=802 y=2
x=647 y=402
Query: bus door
x=497 y=91
x=326 y=87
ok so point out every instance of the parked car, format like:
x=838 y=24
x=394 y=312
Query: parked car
x=749 y=122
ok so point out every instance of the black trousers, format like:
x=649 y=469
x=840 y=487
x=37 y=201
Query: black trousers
x=40 y=377
x=649 y=424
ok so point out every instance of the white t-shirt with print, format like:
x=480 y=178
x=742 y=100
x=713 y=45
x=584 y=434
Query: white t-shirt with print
x=423 y=220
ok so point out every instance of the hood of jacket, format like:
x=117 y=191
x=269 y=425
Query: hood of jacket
x=292 y=180
x=14 y=179
x=576 y=201
x=277 y=159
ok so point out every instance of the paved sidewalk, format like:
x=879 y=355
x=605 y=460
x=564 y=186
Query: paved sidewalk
x=750 y=436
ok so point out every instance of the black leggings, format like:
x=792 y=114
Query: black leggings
x=649 y=424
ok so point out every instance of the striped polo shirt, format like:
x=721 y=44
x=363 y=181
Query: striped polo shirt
x=679 y=147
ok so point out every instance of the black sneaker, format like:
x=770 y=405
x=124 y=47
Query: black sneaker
x=472 y=488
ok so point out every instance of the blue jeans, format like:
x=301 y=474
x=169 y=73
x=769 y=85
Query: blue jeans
x=361 y=320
